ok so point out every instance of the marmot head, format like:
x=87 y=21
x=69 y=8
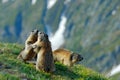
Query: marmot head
x=33 y=37
x=34 y=33
x=76 y=57
x=43 y=39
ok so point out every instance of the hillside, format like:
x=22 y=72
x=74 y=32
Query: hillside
x=116 y=77
x=91 y=27
x=13 y=69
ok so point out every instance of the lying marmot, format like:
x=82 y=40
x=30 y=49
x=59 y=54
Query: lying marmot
x=66 y=57
x=28 y=52
x=43 y=49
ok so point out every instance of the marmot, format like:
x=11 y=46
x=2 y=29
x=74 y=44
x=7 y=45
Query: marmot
x=43 y=49
x=32 y=38
x=66 y=57
x=28 y=52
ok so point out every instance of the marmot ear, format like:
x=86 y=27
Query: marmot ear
x=72 y=56
x=47 y=36
x=36 y=31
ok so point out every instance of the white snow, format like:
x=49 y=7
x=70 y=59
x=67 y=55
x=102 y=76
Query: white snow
x=113 y=12
x=66 y=1
x=4 y=1
x=33 y=2
x=51 y=3
x=57 y=39
x=114 y=71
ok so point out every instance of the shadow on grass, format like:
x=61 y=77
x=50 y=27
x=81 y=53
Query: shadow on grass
x=65 y=71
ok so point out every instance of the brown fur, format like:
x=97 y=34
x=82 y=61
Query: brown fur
x=43 y=49
x=66 y=57
x=28 y=52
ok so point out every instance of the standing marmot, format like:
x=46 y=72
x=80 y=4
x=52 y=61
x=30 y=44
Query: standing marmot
x=43 y=49
x=28 y=52
x=66 y=57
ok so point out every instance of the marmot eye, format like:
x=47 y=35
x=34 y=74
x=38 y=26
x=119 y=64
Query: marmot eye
x=40 y=32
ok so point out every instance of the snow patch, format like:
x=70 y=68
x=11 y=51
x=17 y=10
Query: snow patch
x=33 y=2
x=66 y=1
x=51 y=3
x=4 y=1
x=113 y=12
x=58 y=38
x=114 y=71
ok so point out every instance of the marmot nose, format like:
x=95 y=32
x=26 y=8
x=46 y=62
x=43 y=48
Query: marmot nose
x=81 y=58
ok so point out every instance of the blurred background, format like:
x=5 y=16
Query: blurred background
x=88 y=27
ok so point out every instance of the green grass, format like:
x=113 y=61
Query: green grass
x=14 y=69
x=116 y=76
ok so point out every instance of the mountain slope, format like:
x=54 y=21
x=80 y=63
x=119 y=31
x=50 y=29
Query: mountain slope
x=13 y=69
x=116 y=77
x=92 y=27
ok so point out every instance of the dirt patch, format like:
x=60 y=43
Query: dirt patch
x=1 y=65
x=4 y=66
